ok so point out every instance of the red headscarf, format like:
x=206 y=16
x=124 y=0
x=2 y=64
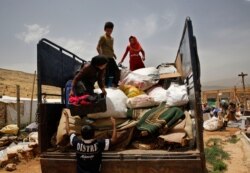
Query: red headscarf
x=136 y=45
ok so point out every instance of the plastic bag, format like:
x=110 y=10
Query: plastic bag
x=31 y=127
x=158 y=93
x=131 y=91
x=213 y=124
x=143 y=78
x=177 y=95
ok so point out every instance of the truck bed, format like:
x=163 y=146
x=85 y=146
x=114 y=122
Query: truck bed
x=126 y=161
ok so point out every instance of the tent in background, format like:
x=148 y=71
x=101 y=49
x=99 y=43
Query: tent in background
x=8 y=110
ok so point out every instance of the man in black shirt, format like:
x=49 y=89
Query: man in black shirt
x=89 y=150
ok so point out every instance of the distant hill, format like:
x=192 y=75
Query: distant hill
x=10 y=78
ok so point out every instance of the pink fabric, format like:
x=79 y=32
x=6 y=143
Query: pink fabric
x=79 y=100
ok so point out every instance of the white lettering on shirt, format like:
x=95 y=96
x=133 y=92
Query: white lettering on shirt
x=86 y=148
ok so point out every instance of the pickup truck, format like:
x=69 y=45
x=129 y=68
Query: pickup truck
x=55 y=65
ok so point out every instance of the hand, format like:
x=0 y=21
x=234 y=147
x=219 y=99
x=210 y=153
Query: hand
x=114 y=134
x=143 y=58
x=104 y=91
x=71 y=93
x=113 y=121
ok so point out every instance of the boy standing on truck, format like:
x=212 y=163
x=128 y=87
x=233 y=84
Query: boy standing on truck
x=105 y=48
x=89 y=150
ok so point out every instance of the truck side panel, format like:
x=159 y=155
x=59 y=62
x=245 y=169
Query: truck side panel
x=132 y=166
x=191 y=68
x=47 y=126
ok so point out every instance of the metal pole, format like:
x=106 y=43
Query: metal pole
x=18 y=104
x=32 y=93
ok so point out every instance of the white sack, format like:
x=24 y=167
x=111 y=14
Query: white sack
x=18 y=148
x=149 y=71
x=213 y=124
x=141 y=101
x=158 y=93
x=177 y=95
x=33 y=137
x=167 y=69
x=31 y=127
x=124 y=73
x=116 y=104
x=143 y=78
x=3 y=156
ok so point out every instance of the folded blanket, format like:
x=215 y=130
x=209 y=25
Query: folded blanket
x=124 y=137
x=105 y=123
x=159 y=117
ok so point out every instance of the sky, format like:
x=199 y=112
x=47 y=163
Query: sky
x=221 y=27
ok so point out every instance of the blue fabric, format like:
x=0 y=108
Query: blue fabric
x=68 y=87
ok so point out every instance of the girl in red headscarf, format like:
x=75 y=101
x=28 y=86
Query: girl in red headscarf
x=134 y=49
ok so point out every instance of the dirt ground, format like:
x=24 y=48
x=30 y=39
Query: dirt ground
x=239 y=154
x=32 y=166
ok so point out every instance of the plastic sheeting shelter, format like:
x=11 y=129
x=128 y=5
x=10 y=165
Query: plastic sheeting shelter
x=8 y=110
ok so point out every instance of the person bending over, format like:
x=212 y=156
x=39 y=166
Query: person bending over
x=88 y=75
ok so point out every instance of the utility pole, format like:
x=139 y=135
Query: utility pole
x=243 y=75
x=243 y=79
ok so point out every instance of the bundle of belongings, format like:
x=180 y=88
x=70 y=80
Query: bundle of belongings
x=147 y=115
x=226 y=116
x=85 y=104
